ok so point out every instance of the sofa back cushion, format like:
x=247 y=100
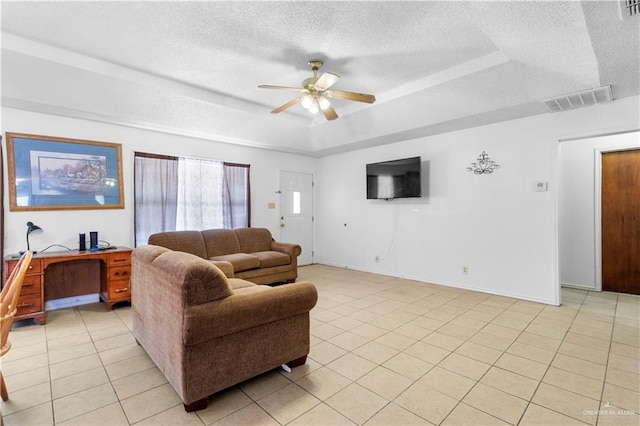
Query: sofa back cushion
x=200 y=280
x=186 y=241
x=254 y=239
x=220 y=242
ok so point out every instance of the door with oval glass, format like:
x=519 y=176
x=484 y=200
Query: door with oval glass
x=296 y=212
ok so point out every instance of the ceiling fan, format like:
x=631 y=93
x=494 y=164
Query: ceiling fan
x=315 y=92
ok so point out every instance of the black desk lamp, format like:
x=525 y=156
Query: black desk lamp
x=30 y=228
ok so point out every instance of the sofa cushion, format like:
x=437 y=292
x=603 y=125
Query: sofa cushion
x=225 y=267
x=240 y=261
x=237 y=284
x=267 y=275
x=219 y=242
x=253 y=239
x=269 y=259
x=186 y=241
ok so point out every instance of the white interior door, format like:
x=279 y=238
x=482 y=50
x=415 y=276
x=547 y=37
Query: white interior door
x=296 y=212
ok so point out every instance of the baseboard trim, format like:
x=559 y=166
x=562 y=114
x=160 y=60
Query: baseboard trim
x=68 y=302
x=453 y=285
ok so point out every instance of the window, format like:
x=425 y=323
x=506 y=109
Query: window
x=296 y=203
x=176 y=193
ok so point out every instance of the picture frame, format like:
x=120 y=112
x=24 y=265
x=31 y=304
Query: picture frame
x=55 y=173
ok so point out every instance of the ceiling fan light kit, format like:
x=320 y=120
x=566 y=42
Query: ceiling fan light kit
x=316 y=90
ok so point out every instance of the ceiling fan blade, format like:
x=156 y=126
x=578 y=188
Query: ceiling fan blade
x=350 y=96
x=327 y=80
x=287 y=105
x=296 y=89
x=330 y=113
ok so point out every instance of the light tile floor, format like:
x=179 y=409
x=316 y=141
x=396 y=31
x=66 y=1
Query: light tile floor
x=384 y=351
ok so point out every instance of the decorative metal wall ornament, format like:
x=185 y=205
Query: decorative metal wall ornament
x=483 y=165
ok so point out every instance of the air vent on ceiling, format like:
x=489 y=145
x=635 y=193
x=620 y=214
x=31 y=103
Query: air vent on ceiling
x=629 y=8
x=579 y=99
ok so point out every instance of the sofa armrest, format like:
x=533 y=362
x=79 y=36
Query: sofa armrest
x=247 y=309
x=225 y=267
x=293 y=250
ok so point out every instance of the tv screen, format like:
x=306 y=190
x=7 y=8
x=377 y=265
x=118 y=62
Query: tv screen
x=394 y=179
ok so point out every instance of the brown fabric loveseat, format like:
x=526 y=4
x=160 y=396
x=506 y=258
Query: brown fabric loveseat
x=206 y=332
x=247 y=253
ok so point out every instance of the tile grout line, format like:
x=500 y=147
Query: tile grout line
x=494 y=365
x=585 y=315
x=606 y=367
x=554 y=356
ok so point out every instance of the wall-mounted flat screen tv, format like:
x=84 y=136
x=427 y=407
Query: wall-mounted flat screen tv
x=394 y=179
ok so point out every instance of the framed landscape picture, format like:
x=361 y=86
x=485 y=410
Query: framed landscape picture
x=52 y=173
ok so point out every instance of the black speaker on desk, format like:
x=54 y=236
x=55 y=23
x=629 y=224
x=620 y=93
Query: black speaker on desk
x=83 y=242
x=93 y=240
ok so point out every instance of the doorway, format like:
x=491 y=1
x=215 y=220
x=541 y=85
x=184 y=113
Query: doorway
x=620 y=221
x=580 y=205
x=296 y=212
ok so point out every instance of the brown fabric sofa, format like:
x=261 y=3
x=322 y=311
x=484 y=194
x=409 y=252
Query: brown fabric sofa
x=206 y=332
x=247 y=253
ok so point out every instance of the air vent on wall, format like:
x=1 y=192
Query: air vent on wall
x=629 y=8
x=579 y=99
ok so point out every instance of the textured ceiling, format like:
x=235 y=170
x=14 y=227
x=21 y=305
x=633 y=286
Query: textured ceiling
x=193 y=67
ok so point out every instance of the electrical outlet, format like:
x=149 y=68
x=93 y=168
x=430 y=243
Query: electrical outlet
x=465 y=270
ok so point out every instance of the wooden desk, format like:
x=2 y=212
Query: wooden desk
x=115 y=270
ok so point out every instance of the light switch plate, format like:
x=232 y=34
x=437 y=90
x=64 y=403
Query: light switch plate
x=541 y=186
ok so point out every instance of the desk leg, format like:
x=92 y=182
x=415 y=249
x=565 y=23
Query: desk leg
x=41 y=318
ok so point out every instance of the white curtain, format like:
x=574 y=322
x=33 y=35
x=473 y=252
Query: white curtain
x=236 y=196
x=200 y=184
x=156 y=191
x=188 y=194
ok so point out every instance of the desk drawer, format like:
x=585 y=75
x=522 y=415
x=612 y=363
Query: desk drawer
x=35 y=267
x=119 y=289
x=30 y=285
x=29 y=303
x=116 y=259
x=119 y=273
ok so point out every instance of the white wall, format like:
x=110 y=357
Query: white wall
x=497 y=225
x=579 y=182
x=116 y=226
